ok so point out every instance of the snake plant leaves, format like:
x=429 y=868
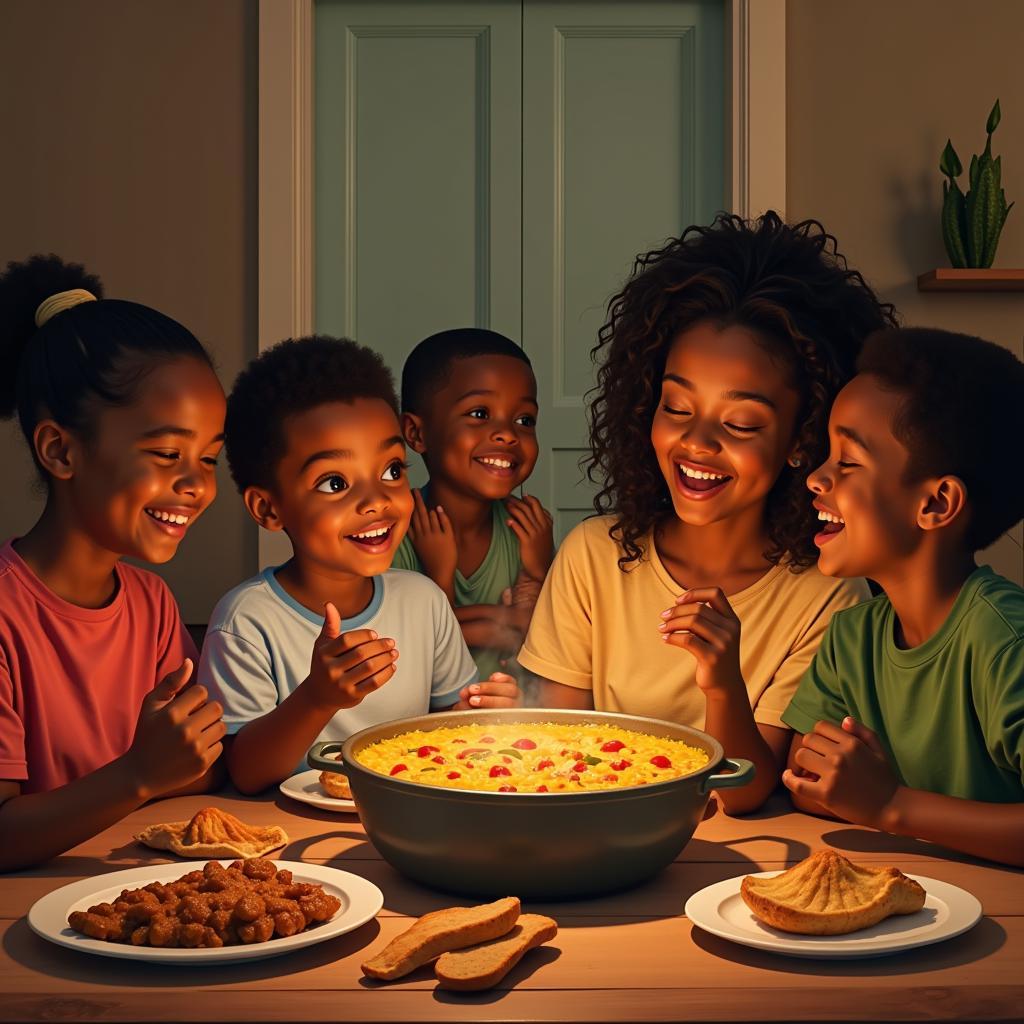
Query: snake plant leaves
x=950 y=163
x=993 y=119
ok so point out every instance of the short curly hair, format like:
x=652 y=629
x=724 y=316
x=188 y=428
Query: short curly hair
x=428 y=365
x=291 y=377
x=786 y=283
x=960 y=407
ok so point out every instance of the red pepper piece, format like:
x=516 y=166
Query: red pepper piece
x=574 y=778
x=611 y=778
x=542 y=789
x=454 y=775
x=462 y=754
x=507 y=760
x=398 y=768
x=487 y=739
x=507 y=789
x=427 y=751
x=438 y=760
x=460 y=741
x=661 y=761
x=525 y=745
x=579 y=766
x=612 y=746
x=620 y=766
x=546 y=763
x=498 y=769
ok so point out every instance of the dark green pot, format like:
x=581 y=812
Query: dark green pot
x=538 y=846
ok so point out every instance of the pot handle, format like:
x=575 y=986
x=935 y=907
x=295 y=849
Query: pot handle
x=743 y=772
x=317 y=757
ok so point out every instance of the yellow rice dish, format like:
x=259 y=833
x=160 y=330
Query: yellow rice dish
x=537 y=757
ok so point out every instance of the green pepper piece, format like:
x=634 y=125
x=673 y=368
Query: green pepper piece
x=511 y=752
x=590 y=759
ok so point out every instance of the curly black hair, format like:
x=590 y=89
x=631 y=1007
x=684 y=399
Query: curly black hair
x=83 y=358
x=786 y=283
x=293 y=376
x=960 y=407
x=428 y=365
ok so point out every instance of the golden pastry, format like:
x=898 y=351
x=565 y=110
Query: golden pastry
x=826 y=894
x=335 y=784
x=213 y=833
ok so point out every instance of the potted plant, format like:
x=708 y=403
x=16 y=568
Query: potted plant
x=971 y=223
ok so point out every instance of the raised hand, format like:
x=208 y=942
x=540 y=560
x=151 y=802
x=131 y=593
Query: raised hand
x=433 y=539
x=531 y=522
x=847 y=772
x=177 y=736
x=345 y=667
x=702 y=622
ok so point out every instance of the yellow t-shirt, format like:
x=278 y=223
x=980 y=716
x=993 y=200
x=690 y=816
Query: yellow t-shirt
x=596 y=628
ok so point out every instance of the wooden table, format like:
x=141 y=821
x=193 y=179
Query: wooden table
x=628 y=957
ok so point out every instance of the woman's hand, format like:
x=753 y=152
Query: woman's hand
x=702 y=622
x=433 y=540
x=531 y=522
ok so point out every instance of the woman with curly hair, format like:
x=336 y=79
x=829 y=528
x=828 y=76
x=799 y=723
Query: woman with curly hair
x=718 y=364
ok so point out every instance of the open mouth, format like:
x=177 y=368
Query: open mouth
x=375 y=539
x=700 y=483
x=833 y=524
x=499 y=465
x=173 y=523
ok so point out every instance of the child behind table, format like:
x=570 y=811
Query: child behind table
x=469 y=408
x=333 y=640
x=124 y=416
x=911 y=717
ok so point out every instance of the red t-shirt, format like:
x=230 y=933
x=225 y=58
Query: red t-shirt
x=72 y=679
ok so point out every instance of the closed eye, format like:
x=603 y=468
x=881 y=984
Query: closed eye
x=743 y=430
x=673 y=412
x=847 y=465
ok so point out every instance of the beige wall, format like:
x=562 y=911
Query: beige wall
x=129 y=135
x=874 y=88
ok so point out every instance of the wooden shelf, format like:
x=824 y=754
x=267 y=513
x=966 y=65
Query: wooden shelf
x=953 y=279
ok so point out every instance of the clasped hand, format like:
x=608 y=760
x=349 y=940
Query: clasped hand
x=846 y=771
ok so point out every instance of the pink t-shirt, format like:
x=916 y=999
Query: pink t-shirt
x=72 y=679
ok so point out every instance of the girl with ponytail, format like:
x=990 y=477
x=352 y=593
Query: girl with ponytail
x=123 y=416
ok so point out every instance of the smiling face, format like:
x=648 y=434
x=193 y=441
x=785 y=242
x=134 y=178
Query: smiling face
x=341 y=492
x=867 y=507
x=146 y=473
x=724 y=424
x=479 y=435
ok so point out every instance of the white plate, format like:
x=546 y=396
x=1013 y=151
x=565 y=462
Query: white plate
x=305 y=787
x=360 y=901
x=948 y=910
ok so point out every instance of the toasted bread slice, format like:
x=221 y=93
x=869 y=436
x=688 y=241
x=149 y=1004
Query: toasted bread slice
x=826 y=894
x=439 y=932
x=335 y=784
x=479 y=967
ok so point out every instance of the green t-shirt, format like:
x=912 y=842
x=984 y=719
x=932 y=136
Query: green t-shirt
x=950 y=712
x=496 y=572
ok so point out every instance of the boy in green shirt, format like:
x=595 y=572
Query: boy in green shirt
x=911 y=717
x=469 y=407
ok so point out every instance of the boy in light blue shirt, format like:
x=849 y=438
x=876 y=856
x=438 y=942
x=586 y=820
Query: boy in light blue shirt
x=314 y=445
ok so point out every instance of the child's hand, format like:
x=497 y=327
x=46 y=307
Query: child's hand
x=531 y=522
x=702 y=622
x=433 y=539
x=347 y=666
x=847 y=772
x=499 y=691
x=524 y=592
x=178 y=734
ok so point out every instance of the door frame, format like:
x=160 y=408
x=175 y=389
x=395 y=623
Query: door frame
x=756 y=179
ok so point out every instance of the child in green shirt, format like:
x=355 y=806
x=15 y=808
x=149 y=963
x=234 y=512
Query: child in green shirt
x=469 y=407
x=911 y=717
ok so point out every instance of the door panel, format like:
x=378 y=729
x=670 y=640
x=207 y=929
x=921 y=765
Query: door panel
x=418 y=171
x=623 y=145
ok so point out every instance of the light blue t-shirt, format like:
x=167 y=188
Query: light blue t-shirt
x=260 y=641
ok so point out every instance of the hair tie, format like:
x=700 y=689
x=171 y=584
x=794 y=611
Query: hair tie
x=57 y=303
